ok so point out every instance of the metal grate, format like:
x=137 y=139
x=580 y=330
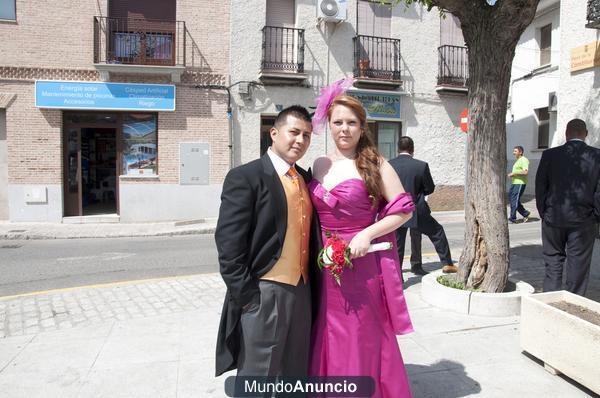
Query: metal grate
x=453 y=66
x=377 y=58
x=283 y=49
x=139 y=41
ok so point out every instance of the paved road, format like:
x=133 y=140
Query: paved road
x=32 y=265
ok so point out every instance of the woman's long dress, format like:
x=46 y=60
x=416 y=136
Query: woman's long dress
x=356 y=325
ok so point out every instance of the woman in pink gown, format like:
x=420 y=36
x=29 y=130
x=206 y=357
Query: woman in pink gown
x=358 y=196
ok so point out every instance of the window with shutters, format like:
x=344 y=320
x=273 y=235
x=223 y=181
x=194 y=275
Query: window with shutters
x=141 y=32
x=545 y=37
x=376 y=54
x=374 y=19
x=283 y=44
x=453 y=61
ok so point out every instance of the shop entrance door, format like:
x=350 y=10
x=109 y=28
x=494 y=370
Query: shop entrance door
x=90 y=171
x=98 y=171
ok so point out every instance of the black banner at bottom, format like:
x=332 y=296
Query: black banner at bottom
x=293 y=387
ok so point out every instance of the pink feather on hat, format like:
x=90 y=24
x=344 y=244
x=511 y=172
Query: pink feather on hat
x=324 y=100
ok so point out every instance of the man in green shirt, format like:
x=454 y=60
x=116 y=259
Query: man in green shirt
x=518 y=182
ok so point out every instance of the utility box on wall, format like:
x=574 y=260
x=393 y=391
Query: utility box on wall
x=195 y=161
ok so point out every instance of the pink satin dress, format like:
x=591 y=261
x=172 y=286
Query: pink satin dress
x=356 y=326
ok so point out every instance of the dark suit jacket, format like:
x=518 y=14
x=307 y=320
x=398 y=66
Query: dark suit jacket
x=416 y=179
x=249 y=237
x=567 y=185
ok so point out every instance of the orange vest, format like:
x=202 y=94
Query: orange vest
x=293 y=261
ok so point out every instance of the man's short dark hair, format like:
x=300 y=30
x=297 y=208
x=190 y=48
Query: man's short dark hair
x=520 y=148
x=406 y=144
x=297 y=111
x=576 y=128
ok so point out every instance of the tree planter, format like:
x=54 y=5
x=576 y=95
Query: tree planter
x=566 y=343
x=474 y=303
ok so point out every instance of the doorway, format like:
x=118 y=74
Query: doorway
x=90 y=171
x=98 y=171
x=386 y=135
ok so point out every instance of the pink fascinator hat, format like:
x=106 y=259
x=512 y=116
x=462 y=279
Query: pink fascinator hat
x=324 y=100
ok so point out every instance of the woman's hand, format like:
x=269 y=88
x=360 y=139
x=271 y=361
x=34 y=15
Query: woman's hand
x=359 y=244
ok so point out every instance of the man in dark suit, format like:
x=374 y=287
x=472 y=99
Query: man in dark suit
x=416 y=179
x=262 y=238
x=567 y=193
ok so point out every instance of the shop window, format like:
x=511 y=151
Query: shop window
x=385 y=136
x=8 y=10
x=140 y=144
x=543 y=119
x=545 y=45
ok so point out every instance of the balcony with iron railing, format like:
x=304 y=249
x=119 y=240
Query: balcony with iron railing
x=377 y=60
x=139 y=46
x=453 y=68
x=593 y=14
x=282 y=54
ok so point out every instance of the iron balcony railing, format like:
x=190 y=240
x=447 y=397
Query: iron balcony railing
x=139 y=41
x=593 y=14
x=283 y=49
x=453 y=66
x=377 y=58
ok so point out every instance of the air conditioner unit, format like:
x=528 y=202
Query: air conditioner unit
x=552 y=102
x=332 y=10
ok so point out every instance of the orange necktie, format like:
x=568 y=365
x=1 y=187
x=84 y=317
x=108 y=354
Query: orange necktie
x=293 y=174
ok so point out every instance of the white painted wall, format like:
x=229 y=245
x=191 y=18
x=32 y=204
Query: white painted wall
x=166 y=202
x=429 y=118
x=530 y=88
x=579 y=91
x=21 y=211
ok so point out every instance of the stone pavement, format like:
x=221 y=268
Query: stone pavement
x=156 y=338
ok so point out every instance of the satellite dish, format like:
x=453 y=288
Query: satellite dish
x=329 y=8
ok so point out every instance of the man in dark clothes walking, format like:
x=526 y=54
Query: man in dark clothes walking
x=416 y=179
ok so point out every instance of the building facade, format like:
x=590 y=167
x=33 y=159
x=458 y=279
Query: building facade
x=555 y=77
x=114 y=108
x=410 y=68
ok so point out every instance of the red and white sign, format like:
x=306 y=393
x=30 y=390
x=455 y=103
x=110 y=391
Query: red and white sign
x=464 y=120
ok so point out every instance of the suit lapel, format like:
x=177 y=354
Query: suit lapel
x=273 y=181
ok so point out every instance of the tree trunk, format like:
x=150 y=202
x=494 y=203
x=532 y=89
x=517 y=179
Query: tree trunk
x=491 y=38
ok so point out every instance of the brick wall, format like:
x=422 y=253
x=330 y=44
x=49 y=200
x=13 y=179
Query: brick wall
x=51 y=34
x=54 y=41
x=33 y=138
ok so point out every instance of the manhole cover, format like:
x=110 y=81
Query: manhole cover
x=10 y=246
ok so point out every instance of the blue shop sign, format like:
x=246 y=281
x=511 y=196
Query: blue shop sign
x=379 y=106
x=104 y=96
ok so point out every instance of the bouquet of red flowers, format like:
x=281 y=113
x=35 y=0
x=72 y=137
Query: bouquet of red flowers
x=335 y=255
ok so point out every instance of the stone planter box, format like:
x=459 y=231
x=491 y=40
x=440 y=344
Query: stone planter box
x=474 y=303
x=566 y=343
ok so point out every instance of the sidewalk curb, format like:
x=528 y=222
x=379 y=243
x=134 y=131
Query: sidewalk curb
x=38 y=236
